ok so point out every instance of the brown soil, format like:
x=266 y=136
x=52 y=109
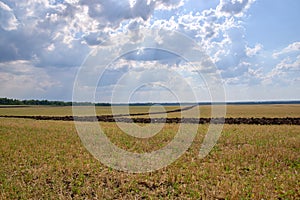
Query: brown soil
x=108 y=118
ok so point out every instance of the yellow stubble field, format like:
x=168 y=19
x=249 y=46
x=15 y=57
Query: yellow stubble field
x=46 y=159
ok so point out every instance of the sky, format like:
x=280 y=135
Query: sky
x=51 y=49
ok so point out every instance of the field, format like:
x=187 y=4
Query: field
x=205 y=111
x=46 y=159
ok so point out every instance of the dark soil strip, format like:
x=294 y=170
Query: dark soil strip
x=259 y=121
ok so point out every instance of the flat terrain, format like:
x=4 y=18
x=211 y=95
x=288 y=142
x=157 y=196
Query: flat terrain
x=202 y=111
x=46 y=160
x=67 y=110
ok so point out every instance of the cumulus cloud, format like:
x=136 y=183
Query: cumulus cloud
x=289 y=64
x=55 y=36
x=294 y=47
x=233 y=7
x=291 y=61
x=223 y=37
x=159 y=82
x=61 y=26
x=8 y=21
x=21 y=79
x=113 y=12
x=287 y=69
x=253 y=51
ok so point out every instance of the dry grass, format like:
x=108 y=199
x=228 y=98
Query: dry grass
x=263 y=110
x=67 y=110
x=276 y=110
x=247 y=111
x=46 y=160
x=205 y=111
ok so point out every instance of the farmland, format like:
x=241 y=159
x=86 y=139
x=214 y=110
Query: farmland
x=46 y=159
x=292 y=110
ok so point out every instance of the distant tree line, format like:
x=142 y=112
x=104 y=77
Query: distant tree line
x=7 y=101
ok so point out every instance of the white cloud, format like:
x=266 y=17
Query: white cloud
x=170 y=4
x=223 y=38
x=159 y=83
x=43 y=24
x=20 y=79
x=8 y=21
x=287 y=70
x=5 y=7
x=72 y=1
x=253 y=51
x=294 y=47
x=289 y=64
x=113 y=12
x=233 y=7
x=42 y=35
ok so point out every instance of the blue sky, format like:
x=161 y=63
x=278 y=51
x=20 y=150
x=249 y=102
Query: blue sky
x=253 y=46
